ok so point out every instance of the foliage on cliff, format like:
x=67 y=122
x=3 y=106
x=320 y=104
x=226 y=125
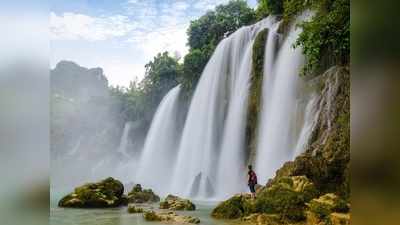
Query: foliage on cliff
x=326 y=160
x=325 y=38
x=205 y=33
x=256 y=78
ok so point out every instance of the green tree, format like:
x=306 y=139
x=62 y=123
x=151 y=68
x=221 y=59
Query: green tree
x=205 y=33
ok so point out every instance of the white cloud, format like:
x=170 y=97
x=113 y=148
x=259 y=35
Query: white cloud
x=73 y=26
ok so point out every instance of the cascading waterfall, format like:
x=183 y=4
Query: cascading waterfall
x=125 y=139
x=155 y=164
x=208 y=160
x=282 y=102
x=221 y=93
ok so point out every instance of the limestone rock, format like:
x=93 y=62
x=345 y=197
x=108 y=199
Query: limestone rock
x=170 y=217
x=234 y=208
x=106 y=193
x=134 y=209
x=139 y=195
x=327 y=204
x=176 y=203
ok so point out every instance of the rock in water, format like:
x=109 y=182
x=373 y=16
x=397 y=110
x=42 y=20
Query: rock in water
x=170 y=217
x=176 y=203
x=139 y=195
x=106 y=193
x=134 y=209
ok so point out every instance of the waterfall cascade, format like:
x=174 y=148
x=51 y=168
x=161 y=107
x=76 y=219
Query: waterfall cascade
x=208 y=160
x=212 y=143
x=124 y=139
x=287 y=107
x=155 y=164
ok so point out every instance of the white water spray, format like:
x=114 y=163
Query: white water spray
x=216 y=120
x=157 y=160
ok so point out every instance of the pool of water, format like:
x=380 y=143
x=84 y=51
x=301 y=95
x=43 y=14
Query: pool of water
x=120 y=216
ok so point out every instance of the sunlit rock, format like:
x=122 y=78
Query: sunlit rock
x=170 y=217
x=176 y=203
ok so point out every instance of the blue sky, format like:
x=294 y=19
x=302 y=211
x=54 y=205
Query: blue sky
x=121 y=36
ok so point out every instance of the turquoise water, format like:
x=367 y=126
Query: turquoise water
x=120 y=216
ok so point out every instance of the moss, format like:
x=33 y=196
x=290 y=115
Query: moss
x=287 y=197
x=106 y=193
x=133 y=209
x=254 y=103
x=139 y=195
x=326 y=161
x=151 y=216
x=176 y=203
x=233 y=208
x=327 y=204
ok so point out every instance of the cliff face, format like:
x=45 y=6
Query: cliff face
x=326 y=160
x=73 y=81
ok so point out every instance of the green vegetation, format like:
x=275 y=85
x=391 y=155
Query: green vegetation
x=140 y=99
x=205 y=33
x=253 y=108
x=287 y=197
x=106 y=193
x=325 y=38
x=139 y=195
x=176 y=203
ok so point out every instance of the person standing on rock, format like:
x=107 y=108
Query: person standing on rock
x=252 y=181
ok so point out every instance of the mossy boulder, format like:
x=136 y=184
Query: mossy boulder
x=170 y=217
x=236 y=207
x=139 y=195
x=134 y=209
x=106 y=193
x=263 y=219
x=176 y=203
x=326 y=204
x=339 y=219
x=286 y=197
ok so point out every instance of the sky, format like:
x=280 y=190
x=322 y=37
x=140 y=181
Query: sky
x=121 y=36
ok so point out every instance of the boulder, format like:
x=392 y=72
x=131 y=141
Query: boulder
x=326 y=204
x=236 y=207
x=139 y=195
x=287 y=197
x=134 y=209
x=176 y=203
x=106 y=193
x=170 y=217
x=263 y=219
x=339 y=218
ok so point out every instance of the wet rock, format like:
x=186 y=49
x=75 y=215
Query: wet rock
x=176 y=203
x=106 y=193
x=134 y=209
x=139 y=195
x=339 y=218
x=236 y=207
x=170 y=217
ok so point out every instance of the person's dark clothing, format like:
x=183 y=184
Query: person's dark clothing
x=252 y=181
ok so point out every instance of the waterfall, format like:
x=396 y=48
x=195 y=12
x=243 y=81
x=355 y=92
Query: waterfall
x=211 y=152
x=125 y=139
x=155 y=164
x=284 y=100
